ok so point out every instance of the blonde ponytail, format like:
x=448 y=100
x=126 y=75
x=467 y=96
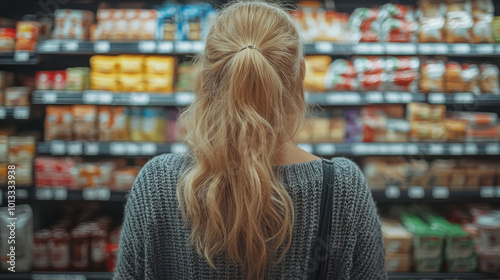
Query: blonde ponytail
x=249 y=102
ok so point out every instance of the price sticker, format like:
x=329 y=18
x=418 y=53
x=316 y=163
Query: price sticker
x=425 y=48
x=105 y=98
x=464 y=98
x=498 y=191
x=461 y=48
x=393 y=97
x=325 y=149
x=352 y=98
x=102 y=47
x=71 y=46
x=306 y=147
x=22 y=194
x=323 y=47
x=487 y=192
x=165 y=47
x=359 y=149
x=392 y=192
x=3 y=113
x=178 y=148
x=117 y=149
x=374 y=97
x=369 y=48
x=133 y=149
x=139 y=99
x=335 y=98
x=416 y=192
x=90 y=97
x=437 y=98
x=75 y=148
x=198 y=46
x=21 y=56
x=471 y=149
x=492 y=149
x=90 y=194
x=436 y=149
x=57 y=147
x=485 y=49
x=184 y=98
x=49 y=97
x=441 y=49
x=183 y=47
x=412 y=149
x=91 y=149
x=148 y=149
x=44 y=194
x=406 y=97
x=21 y=113
x=50 y=46
x=147 y=46
x=395 y=48
x=440 y=192
x=60 y=194
x=397 y=149
x=103 y=194
x=456 y=149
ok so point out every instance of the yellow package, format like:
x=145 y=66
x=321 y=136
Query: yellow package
x=103 y=64
x=153 y=125
x=131 y=82
x=160 y=83
x=160 y=65
x=131 y=64
x=120 y=124
x=103 y=81
x=135 y=122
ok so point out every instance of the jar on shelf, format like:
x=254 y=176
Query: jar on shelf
x=80 y=238
x=59 y=250
x=41 y=257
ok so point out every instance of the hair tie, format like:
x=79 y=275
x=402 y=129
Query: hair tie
x=249 y=47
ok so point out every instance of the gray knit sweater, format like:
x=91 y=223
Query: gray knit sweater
x=153 y=242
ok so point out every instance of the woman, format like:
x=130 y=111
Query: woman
x=244 y=202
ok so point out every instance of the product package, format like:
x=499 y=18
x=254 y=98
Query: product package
x=93 y=175
x=53 y=172
x=84 y=122
x=432 y=77
x=19 y=260
x=125 y=24
x=72 y=24
x=27 y=35
x=58 y=123
x=7 y=39
x=78 y=78
x=21 y=148
x=489 y=78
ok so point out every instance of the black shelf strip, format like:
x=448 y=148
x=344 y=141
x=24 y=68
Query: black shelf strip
x=15 y=113
x=101 y=97
x=18 y=58
x=56 y=47
x=108 y=276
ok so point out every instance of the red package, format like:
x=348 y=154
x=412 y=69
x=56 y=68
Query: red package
x=112 y=253
x=59 y=80
x=397 y=11
x=406 y=80
x=340 y=83
x=44 y=80
x=402 y=63
x=369 y=64
x=7 y=39
x=398 y=30
x=342 y=67
x=365 y=25
x=26 y=35
x=369 y=82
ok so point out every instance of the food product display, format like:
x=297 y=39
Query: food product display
x=72 y=79
x=72 y=24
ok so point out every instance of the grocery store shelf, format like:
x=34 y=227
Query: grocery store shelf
x=464 y=98
x=346 y=98
x=18 y=58
x=100 y=97
x=89 y=148
x=92 y=194
x=329 y=48
x=16 y=113
x=436 y=194
x=108 y=275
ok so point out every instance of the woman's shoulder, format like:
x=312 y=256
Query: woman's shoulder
x=163 y=169
x=348 y=174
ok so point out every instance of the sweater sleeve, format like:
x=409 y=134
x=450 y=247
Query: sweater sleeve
x=369 y=251
x=131 y=254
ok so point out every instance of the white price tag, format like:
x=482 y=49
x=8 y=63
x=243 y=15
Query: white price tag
x=21 y=113
x=335 y=98
x=49 y=97
x=21 y=56
x=21 y=194
x=492 y=149
x=44 y=194
x=105 y=98
x=325 y=149
x=75 y=148
x=369 y=48
x=426 y=48
x=148 y=149
x=178 y=148
x=393 y=97
x=103 y=194
x=437 y=98
x=497 y=48
x=184 y=98
x=323 y=47
x=397 y=149
x=90 y=194
x=198 y=46
x=498 y=191
x=485 y=49
x=464 y=98
x=91 y=149
x=456 y=149
x=50 y=46
x=102 y=47
x=139 y=98
x=412 y=149
x=183 y=47
x=487 y=192
x=71 y=46
x=133 y=149
x=147 y=46
x=90 y=97
x=461 y=48
x=60 y=194
x=306 y=147
x=406 y=97
x=57 y=147
x=440 y=49
x=471 y=149
x=359 y=149
x=117 y=149
x=416 y=192
x=440 y=192
x=436 y=149
x=3 y=112
x=406 y=48
x=374 y=97
x=165 y=47
x=352 y=98
x=392 y=192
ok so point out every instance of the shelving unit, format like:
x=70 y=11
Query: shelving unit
x=15 y=113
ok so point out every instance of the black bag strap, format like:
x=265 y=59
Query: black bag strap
x=321 y=247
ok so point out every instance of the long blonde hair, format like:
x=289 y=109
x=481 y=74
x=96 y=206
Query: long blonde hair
x=249 y=102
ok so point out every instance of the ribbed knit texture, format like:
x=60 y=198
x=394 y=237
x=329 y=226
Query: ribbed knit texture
x=154 y=244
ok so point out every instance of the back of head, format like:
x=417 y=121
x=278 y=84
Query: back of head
x=249 y=102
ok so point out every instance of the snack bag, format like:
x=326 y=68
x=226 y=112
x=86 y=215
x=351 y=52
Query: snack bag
x=104 y=81
x=453 y=78
x=119 y=127
x=372 y=82
x=84 y=122
x=369 y=64
x=431 y=29
x=58 y=123
x=364 y=25
x=131 y=82
x=27 y=35
x=78 y=78
x=340 y=83
x=104 y=64
x=159 y=83
x=398 y=30
x=168 y=20
x=160 y=65
x=489 y=78
x=129 y=64
x=401 y=63
x=470 y=78
x=459 y=21
x=105 y=123
x=342 y=67
x=433 y=76
x=405 y=80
